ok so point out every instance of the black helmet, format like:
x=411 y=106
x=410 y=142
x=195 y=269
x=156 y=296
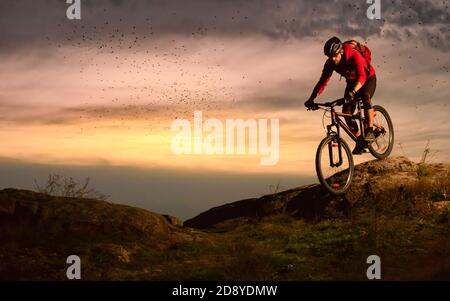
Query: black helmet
x=332 y=46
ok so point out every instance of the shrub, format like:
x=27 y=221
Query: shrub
x=422 y=170
x=58 y=185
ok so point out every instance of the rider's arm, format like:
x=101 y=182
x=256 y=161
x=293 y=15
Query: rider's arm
x=357 y=86
x=327 y=71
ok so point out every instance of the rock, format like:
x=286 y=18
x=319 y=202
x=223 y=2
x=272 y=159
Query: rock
x=39 y=232
x=370 y=179
x=175 y=221
x=55 y=215
x=97 y=220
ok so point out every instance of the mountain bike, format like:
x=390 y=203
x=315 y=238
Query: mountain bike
x=334 y=159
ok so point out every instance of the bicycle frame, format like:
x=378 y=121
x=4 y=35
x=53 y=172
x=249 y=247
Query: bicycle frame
x=338 y=123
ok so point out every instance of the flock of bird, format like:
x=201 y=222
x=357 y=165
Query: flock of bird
x=161 y=77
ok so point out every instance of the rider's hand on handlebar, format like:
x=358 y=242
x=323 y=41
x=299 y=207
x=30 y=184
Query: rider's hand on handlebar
x=350 y=95
x=311 y=105
x=341 y=102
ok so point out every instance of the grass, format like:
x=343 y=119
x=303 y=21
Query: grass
x=322 y=250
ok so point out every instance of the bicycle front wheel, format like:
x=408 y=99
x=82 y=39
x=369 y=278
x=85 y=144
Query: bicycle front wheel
x=334 y=165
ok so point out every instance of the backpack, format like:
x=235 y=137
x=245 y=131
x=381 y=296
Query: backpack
x=361 y=48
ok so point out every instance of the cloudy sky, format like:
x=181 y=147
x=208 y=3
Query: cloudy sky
x=96 y=97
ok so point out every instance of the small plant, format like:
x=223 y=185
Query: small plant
x=401 y=147
x=427 y=157
x=275 y=188
x=422 y=170
x=58 y=185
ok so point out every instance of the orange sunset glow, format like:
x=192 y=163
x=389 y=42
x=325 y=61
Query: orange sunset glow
x=104 y=90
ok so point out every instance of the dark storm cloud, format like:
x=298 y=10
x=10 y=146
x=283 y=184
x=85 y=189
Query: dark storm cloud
x=25 y=22
x=13 y=113
x=31 y=114
x=270 y=103
x=35 y=115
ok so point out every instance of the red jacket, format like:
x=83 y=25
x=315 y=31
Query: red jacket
x=353 y=67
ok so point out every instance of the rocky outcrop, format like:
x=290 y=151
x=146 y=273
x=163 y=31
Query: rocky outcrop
x=39 y=232
x=98 y=220
x=370 y=178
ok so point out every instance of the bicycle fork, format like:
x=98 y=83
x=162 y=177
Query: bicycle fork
x=331 y=144
x=362 y=120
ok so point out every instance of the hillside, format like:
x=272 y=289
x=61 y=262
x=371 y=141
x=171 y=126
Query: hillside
x=395 y=208
x=40 y=231
x=374 y=179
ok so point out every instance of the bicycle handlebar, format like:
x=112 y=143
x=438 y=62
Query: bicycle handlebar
x=336 y=102
x=329 y=104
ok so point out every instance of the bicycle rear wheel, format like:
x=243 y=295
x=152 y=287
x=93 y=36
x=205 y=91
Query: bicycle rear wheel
x=335 y=172
x=384 y=132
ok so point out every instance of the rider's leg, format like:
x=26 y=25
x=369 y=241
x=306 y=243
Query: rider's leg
x=367 y=93
x=349 y=108
x=369 y=113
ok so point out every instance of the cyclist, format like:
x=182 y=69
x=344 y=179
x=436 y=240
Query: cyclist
x=361 y=82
